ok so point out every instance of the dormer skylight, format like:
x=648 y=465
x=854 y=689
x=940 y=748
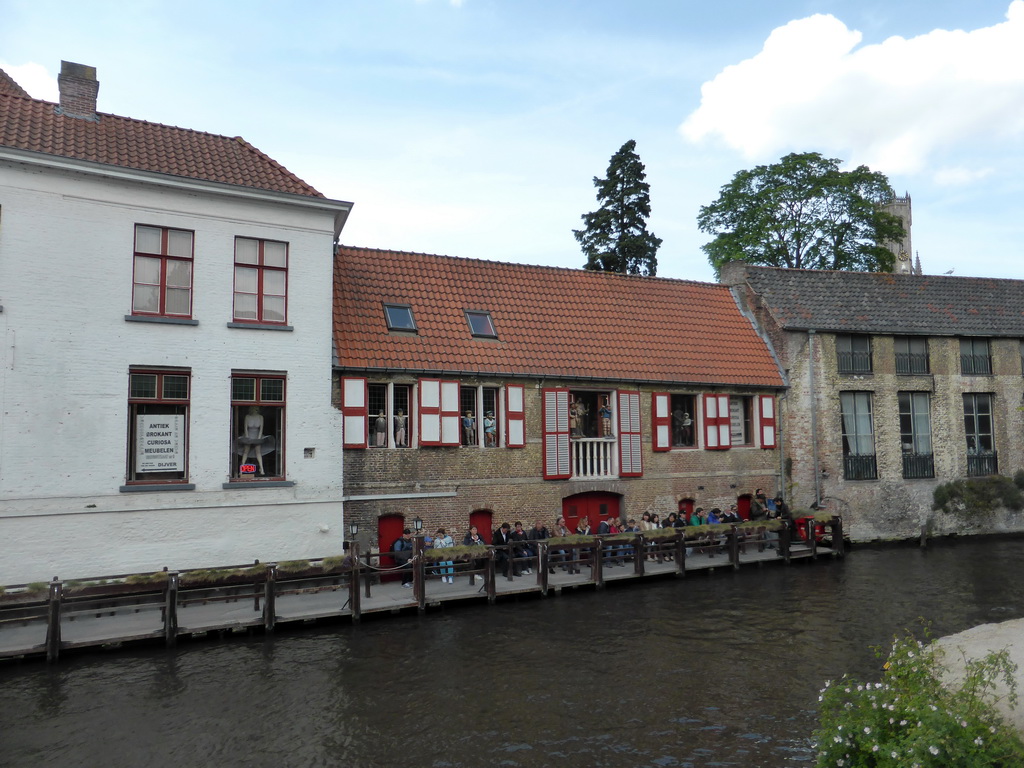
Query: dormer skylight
x=399 y=317
x=480 y=324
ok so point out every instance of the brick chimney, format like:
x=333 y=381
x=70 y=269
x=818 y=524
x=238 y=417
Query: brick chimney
x=78 y=88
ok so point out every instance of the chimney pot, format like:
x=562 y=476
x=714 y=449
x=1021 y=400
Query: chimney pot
x=78 y=89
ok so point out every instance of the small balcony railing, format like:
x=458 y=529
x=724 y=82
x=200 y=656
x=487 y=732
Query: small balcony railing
x=911 y=362
x=859 y=467
x=917 y=465
x=592 y=457
x=975 y=365
x=981 y=464
x=854 y=362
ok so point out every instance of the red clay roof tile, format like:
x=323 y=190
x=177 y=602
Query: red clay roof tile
x=552 y=322
x=33 y=125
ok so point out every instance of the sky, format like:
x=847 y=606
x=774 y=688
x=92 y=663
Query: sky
x=475 y=128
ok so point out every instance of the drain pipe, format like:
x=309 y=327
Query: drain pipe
x=814 y=419
x=781 y=489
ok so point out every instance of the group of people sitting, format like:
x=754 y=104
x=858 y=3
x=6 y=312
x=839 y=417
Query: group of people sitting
x=516 y=547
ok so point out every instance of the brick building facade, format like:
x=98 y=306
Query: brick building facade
x=492 y=392
x=898 y=383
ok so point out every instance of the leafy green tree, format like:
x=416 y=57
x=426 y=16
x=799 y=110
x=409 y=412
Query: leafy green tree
x=803 y=213
x=615 y=236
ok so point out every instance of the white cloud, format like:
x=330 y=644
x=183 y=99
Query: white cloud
x=959 y=176
x=891 y=105
x=34 y=78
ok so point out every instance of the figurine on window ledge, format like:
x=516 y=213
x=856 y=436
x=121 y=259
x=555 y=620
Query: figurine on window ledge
x=577 y=412
x=380 y=430
x=401 y=420
x=490 y=430
x=606 y=417
x=468 y=429
x=252 y=437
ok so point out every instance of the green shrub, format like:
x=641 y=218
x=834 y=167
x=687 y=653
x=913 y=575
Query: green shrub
x=911 y=718
x=978 y=495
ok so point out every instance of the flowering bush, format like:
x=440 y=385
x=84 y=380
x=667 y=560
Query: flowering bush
x=911 y=719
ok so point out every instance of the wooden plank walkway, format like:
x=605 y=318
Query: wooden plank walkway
x=26 y=631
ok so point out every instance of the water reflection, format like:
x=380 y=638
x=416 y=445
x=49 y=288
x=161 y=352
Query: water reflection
x=719 y=670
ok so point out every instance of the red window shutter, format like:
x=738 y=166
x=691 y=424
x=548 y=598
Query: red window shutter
x=450 y=434
x=630 y=455
x=354 y=412
x=515 y=416
x=661 y=421
x=767 y=416
x=717 y=430
x=430 y=412
x=556 y=434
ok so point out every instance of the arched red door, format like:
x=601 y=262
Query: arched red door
x=483 y=519
x=595 y=505
x=743 y=506
x=389 y=529
x=685 y=508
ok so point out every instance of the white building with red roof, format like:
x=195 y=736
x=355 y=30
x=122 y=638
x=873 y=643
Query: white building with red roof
x=164 y=377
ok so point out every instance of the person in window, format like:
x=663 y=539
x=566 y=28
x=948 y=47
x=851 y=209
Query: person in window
x=380 y=430
x=687 y=429
x=468 y=429
x=401 y=422
x=605 y=412
x=252 y=437
x=490 y=430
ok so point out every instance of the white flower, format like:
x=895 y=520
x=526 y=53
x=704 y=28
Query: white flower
x=893 y=753
x=933 y=750
x=874 y=748
x=979 y=741
x=867 y=729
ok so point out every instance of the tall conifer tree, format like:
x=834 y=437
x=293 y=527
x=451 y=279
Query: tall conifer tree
x=615 y=236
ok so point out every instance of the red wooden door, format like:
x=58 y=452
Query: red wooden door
x=389 y=529
x=685 y=508
x=743 y=506
x=595 y=505
x=483 y=520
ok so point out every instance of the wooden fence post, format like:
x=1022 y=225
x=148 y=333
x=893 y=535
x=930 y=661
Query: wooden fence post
x=270 y=598
x=419 y=584
x=838 y=538
x=680 y=544
x=542 y=566
x=734 y=547
x=353 y=583
x=171 y=610
x=53 y=620
x=640 y=563
x=812 y=540
x=490 y=577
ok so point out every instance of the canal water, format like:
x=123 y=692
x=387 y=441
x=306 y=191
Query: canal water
x=719 y=669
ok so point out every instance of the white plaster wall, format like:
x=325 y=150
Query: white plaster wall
x=65 y=287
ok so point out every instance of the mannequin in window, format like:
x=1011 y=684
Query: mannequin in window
x=606 y=417
x=401 y=421
x=490 y=430
x=687 y=429
x=380 y=430
x=252 y=436
x=468 y=429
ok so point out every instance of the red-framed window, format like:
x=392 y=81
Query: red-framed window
x=354 y=412
x=766 y=411
x=257 y=426
x=515 y=416
x=717 y=423
x=158 y=409
x=630 y=454
x=661 y=421
x=555 y=420
x=162 y=272
x=439 y=413
x=261 y=281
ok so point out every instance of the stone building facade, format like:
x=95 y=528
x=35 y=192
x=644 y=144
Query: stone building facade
x=527 y=392
x=898 y=383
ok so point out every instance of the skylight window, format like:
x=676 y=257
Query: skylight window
x=480 y=324
x=399 y=317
